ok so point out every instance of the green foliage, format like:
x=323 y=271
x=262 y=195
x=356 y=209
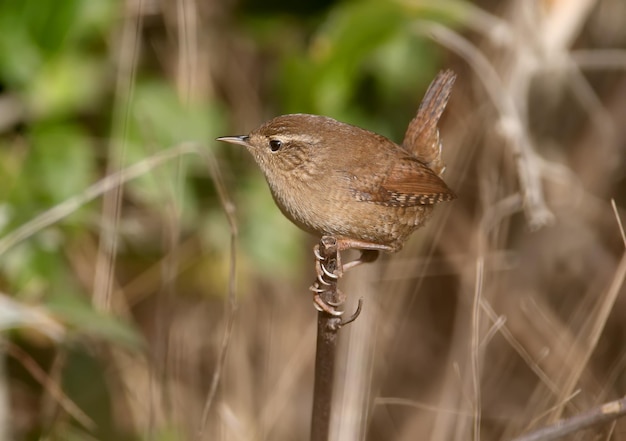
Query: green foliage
x=46 y=53
x=81 y=319
x=60 y=163
x=64 y=85
x=54 y=65
x=34 y=269
x=158 y=120
x=322 y=79
x=364 y=61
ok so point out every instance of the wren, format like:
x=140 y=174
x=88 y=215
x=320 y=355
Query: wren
x=335 y=179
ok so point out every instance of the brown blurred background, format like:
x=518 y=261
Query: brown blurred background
x=505 y=313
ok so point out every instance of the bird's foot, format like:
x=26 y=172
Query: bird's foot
x=328 y=269
x=327 y=306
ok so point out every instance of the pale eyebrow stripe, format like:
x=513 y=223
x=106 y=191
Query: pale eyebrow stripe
x=299 y=137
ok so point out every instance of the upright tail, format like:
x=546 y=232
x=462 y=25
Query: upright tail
x=422 y=136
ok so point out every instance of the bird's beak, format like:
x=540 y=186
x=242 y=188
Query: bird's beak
x=242 y=140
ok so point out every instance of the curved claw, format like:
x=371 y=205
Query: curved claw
x=320 y=278
x=356 y=314
x=322 y=306
x=316 y=289
x=328 y=273
x=316 y=252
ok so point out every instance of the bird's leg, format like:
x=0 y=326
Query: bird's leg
x=329 y=269
x=369 y=251
x=326 y=296
x=367 y=256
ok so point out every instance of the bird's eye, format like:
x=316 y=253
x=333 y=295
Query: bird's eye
x=275 y=145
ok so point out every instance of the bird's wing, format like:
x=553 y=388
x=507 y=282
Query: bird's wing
x=408 y=182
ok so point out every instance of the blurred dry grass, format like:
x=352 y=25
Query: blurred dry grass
x=505 y=313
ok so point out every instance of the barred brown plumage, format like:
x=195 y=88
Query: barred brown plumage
x=335 y=179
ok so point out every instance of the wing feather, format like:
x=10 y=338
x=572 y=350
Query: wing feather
x=407 y=183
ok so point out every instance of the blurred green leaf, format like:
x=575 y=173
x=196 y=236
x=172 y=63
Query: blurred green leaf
x=159 y=120
x=354 y=29
x=36 y=32
x=365 y=61
x=401 y=64
x=76 y=312
x=68 y=83
x=49 y=21
x=34 y=269
x=349 y=35
x=86 y=379
x=61 y=162
x=20 y=58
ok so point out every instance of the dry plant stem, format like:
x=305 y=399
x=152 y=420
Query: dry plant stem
x=231 y=301
x=519 y=348
x=187 y=68
x=619 y=221
x=598 y=415
x=129 y=45
x=599 y=59
x=475 y=353
x=594 y=328
x=512 y=123
x=327 y=333
x=55 y=391
x=69 y=206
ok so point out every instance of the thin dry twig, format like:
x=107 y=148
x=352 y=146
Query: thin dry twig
x=395 y=401
x=594 y=327
x=547 y=412
x=619 y=221
x=493 y=330
x=599 y=59
x=598 y=114
x=69 y=206
x=511 y=121
x=598 y=415
x=475 y=19
x=51 y=386
x=475 y=353
x=519 y=348
x=129 y=46
x=172 y=226
x=231 y=303
x=188 y=50
x=492 y=217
